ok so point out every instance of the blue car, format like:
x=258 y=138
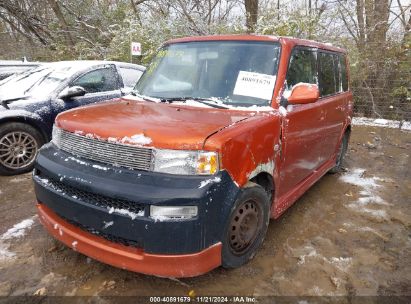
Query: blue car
x=30 y=101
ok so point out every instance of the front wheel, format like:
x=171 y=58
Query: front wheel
x=19 y=144
x=246 y=227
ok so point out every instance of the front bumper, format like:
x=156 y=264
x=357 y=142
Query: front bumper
x=126 y=257
x=81 y=193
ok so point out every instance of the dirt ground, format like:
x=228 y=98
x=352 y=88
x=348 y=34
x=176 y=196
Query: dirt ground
x=350 y=234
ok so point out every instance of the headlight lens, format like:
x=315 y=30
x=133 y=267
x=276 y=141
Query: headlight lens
x=161 y=213
x=185 y=162
x=56 y=136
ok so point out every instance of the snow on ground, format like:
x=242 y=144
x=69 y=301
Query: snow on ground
x=17 y=231
x=379 y=122
x=369 y=202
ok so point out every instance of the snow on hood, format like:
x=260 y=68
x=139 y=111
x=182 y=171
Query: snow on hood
x=149 y=123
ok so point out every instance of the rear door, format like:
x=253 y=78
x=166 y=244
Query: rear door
x=302 y=125
x=333 y=97
x=102 y=83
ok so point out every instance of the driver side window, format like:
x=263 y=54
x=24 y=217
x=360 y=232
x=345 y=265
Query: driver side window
x=101 y=80
x=302 y=67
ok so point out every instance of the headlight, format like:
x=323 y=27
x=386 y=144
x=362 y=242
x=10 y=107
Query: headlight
x=161 y=213
x=56 y=136
x=185 y=162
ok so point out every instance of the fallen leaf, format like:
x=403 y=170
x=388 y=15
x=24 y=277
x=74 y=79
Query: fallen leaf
x=40 y=292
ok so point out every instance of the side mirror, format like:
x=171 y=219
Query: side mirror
x=71 y=92
x=304 y=93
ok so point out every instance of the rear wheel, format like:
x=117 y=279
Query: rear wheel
x=246 y=227
x=19 y=144
x=342 y=150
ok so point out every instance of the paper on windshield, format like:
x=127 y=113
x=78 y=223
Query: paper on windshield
x=254 y=85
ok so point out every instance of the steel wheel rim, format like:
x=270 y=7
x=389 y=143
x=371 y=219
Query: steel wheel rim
x=17 y=150
x=244 y=226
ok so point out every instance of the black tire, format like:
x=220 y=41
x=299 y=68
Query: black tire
x=19 y=144
x=342 y=150
x=258 y=212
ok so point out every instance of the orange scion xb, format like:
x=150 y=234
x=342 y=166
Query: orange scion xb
x=220 y=134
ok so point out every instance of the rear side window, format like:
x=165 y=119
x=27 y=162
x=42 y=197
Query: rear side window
x=302 y=67
x=130 y=76
x=101 y=80
x=328 y=69
x=344 y=76
x=337 y=73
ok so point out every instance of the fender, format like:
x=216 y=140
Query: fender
x=249 y=148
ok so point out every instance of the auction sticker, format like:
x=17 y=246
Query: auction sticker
x=254 y=85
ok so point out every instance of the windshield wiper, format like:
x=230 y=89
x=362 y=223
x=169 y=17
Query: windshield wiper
x=146 y=98
x=38 y=82
x=206 y=101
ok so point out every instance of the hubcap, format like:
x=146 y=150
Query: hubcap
x=17 y=150
x=244 y=227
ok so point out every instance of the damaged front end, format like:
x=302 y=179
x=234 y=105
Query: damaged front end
x=120 y=208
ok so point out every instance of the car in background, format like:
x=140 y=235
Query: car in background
x=30 y=101
x=10 y=67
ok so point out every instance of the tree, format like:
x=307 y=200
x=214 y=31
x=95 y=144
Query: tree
x=251 y=11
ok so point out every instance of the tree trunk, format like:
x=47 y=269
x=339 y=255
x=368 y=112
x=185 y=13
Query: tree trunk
x=251 y=11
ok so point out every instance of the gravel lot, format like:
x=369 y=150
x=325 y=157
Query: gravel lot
x=348 y=235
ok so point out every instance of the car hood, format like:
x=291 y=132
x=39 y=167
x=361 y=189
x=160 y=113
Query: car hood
x=159 y=125
x=5 y=100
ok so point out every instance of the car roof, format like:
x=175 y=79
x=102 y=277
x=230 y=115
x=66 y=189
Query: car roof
x=247 y=37
x=83 y=64
x=6 y=63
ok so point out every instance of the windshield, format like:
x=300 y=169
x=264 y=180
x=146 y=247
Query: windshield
x=39 y=82
x=238 y=73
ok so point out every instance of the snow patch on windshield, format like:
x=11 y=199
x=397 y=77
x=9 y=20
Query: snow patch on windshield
x=191 y=103
x=219 y=102
x=252 y=108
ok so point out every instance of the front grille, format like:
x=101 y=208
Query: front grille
x=115 y=154
x=93 y=198
x=107 y=236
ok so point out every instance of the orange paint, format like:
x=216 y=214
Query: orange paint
x=304 y=94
